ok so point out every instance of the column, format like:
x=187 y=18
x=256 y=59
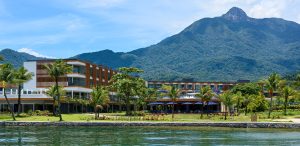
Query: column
x=33 y=108
x=72 y=94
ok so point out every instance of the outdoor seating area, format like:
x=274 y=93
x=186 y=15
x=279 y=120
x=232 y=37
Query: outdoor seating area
x=184 y=107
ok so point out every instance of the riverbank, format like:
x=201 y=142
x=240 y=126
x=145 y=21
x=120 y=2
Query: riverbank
x=198 y=124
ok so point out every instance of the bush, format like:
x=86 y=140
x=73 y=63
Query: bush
x=29 y=112
x=137 y=113
x=23 y=115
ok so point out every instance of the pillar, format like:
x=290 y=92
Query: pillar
x=72 y=94
x=33 y=108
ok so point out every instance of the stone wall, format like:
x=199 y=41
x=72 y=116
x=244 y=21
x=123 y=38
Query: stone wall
x=223 y=124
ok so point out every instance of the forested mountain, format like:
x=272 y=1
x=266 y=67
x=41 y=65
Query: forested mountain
x=230 y=47
x=16 y=58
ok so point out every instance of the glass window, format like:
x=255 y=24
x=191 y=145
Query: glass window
x=76 y=82
x=197 y=87
x=79 y=69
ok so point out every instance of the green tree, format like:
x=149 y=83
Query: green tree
x=6 y=77
x=272 y=84
x=53 y=93
x=287 y=93
x=99 y=98
x=172 y=93
x=127 y=85
x=257 y=103
x=21 y=76
x=146 y=95
x=205 y=95
x=227 y=99
x=57 y=70
x=246 y=90
x=237 y=99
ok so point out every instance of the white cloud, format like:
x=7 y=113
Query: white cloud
x=32 y=52
x=268 y=8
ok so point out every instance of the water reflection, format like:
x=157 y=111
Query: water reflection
x=146 y=136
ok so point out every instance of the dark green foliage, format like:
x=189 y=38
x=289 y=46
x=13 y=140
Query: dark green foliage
x=246 y=89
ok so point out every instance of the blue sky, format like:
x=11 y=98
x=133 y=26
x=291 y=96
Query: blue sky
x=64 y=28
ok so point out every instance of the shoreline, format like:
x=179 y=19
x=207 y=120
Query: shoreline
x=196 y=124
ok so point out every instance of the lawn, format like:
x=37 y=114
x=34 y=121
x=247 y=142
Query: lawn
x=262 y=117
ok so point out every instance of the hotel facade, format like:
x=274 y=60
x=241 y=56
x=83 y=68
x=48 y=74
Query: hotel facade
x=84 y=76
x=78 y=84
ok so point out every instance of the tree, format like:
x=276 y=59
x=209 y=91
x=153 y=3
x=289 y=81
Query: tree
x=53 y=93
x=172 y=93
x=272 y=84
x=147 y=94
x=237 y=99
x=226 y=98
x=6 y=77
x=205 y=95
x=246 y=90
x=127 y=85
x=287 y=93
x=99 y=98
x=257 y=103
x=57 y=70
x=21 y=76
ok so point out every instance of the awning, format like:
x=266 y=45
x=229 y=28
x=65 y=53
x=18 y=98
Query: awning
x=187 y=103
x=171 y=103
x=198 y=102
x=155 y=103
x=212 y=103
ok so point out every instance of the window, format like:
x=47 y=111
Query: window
x=197 y=87
x=79 y=69
x=76 y=82
x=190 y=87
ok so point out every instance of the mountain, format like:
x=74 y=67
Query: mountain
x=16 y=58
x=108 y=58
x=226 y=48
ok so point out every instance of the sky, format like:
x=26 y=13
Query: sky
x=64 y=28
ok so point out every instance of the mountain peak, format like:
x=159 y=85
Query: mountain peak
x=235 y=14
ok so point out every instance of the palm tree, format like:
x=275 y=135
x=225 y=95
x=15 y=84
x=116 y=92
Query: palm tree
x=287 y=92
x=99 y=97
x=272 y=84
x=53 y=93
x=238 y=98
x=172 y=93
x=21 y=76
x=6 y=77
x=205 y=95
x=56 y=70
x=226 y=98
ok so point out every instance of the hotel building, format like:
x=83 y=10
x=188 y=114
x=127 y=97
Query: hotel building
x=188 y=102
x=77 y=84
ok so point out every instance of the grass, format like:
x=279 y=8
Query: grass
x=276 y=116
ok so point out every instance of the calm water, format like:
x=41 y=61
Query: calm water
x=146 y=136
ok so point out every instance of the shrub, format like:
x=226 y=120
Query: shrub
x=24 y=115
